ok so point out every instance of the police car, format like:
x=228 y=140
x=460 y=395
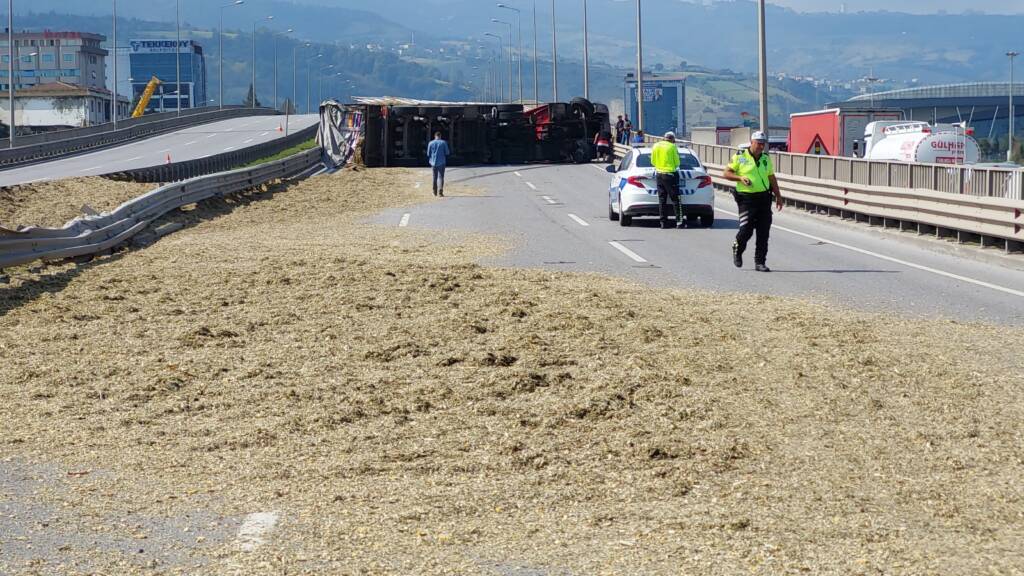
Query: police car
x=634 y=188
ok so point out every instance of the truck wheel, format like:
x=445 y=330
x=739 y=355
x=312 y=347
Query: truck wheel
x=582 y=104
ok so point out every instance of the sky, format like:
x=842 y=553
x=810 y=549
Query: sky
x=912 y=6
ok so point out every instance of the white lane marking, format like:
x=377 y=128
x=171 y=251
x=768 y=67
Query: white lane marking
x=579 y=220
x=518 y=174
x=895 y=260
x=632 y=255
x=34 y=181
x=253 y=532
x=530 y=184
x=228 y=129
x=190 y=143
x=265 y=133
x=405 y=220
x=164 y=150
x=132 y=158
x=214 y=135
x=229 y=148
x=247 y=141
x=91 y=168
x=549 y=200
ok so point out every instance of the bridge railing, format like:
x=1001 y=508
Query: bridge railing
x=983 y=205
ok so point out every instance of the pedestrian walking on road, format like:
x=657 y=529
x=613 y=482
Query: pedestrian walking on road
x=627 y=130
x=438 y=153
x=619 y=127
x=665 y=159
x=754 y=175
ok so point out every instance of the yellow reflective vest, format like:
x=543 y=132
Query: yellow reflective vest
x=665 y=157
x=758 y=171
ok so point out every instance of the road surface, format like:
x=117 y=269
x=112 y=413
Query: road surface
x=558 y=216
x=186 y=144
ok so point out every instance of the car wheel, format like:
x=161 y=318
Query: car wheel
x=707 y=221
x=623 y=219
x=612 y=214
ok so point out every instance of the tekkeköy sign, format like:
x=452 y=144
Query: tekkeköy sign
x=159 y=46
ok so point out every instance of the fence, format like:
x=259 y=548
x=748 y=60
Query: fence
x=90 y=235
x=985 y=205
x=217 y=163
x=44 y=146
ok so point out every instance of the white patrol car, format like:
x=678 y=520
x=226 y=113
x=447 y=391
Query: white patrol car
x=634 y=188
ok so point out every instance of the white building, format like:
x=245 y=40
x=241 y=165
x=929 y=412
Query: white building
x=57 y=106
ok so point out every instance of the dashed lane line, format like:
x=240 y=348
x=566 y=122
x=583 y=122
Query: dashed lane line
x=91 y=168
x=579 y=220
x=530 y=184
x=190 y=143
x=629 y=253
x=518 y=174
x=247 y=141
x=549 y=200
x=405 y=220
x=920 y=267
x=229 y=148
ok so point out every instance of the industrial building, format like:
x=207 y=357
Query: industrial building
x=160 y=58
x=664 y=102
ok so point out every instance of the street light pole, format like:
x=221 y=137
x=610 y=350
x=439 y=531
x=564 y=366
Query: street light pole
x=1009 y=149
x=509 y=24
x=177 y=55
x=501 y=86
x=586 y=55
x=220 y=37
x=277 y=35
x=554 y=54
x=639 y=70
x=320 y=82
x=10 y=67
x=254 y=58
x=113 y=104
x=762 y=60
x=536 y=78
x=309 y=109
x=519 y=51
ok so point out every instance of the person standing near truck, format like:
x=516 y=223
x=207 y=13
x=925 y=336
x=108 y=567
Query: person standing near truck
x=619 y=127
x=754 y=175
x=627 y=130
x=437 y=154
x=665 y=159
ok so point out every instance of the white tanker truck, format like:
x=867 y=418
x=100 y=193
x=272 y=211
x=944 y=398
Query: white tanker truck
x=902 y=141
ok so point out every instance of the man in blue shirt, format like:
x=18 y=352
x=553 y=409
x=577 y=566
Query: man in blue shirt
x=437 y=153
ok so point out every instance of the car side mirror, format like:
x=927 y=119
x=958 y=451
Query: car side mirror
x=610 y=169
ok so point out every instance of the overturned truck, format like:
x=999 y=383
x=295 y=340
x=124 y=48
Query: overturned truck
x=396 y=131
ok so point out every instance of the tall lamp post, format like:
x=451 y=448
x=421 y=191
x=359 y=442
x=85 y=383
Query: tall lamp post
x=320 y=82
x=254 y=57
x=586 y=55
x=1009 y=149
x=177 y=56
x=762 y=61
x=309 y=77
x=639 y=69
x=509 y=24
x=220 y=56
x=554 y=54
x=10 y=67
x=277 y=35
x=519 y=51
x=113 y=103
x=501 y=85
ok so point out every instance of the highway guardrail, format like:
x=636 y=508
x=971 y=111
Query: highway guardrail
x=969 y=204
x=175 y=171
x=92 y=235
x=66 y=142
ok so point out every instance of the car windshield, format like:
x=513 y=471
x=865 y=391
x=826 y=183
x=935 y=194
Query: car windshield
x=686 y=161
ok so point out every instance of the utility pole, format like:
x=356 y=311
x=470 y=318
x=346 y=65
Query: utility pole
x=554 y=55
x=762 y=59
x=1009 y=149
x=113 y=104
x=639 y=69
x=177 y=54
x=586 y=55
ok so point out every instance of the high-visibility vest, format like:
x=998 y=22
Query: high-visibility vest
x=758 y=171
x=665 y=157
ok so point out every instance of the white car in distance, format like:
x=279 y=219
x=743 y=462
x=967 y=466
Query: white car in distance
x=634 y=188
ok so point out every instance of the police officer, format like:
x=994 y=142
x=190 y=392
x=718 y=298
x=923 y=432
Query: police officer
x=665 y=159
x=754 y=175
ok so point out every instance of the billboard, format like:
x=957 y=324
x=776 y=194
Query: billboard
x=664 y=104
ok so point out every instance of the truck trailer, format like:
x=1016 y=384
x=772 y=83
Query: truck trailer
x=835 y=131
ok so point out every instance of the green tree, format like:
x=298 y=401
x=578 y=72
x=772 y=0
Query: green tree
x=248 y=102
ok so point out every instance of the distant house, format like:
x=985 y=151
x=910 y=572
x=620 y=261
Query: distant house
x=58 y=106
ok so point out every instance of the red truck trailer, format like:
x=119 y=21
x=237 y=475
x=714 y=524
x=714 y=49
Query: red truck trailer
x=835 y=131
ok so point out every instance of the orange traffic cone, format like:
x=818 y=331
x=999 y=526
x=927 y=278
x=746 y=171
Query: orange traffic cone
x=168 y=158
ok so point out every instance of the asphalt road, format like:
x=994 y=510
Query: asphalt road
x=558 y=218
x=186 y=144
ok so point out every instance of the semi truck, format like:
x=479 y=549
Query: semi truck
x=835 y=131
x=396 y=131
x=915 y=142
